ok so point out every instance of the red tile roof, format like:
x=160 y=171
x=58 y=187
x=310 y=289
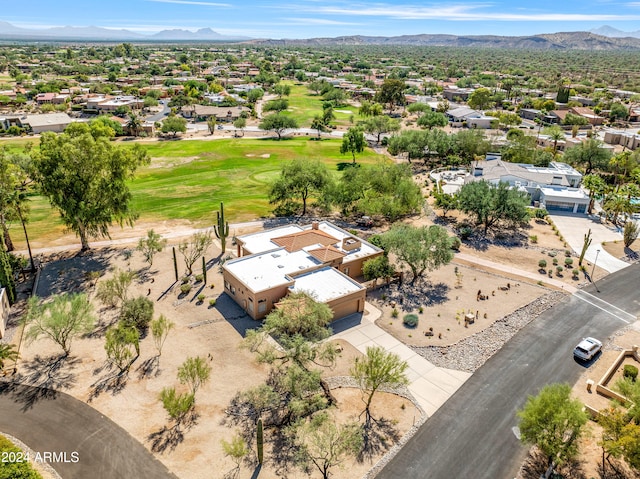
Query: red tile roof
x=297 y=241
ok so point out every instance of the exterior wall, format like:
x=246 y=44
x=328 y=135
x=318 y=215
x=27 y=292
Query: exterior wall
x=353 y=269
x=352 y=303
x=243 y=296
x=59 y=128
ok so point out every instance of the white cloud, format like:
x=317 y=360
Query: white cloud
x=461 y=13
x=316 y=21
x=193 y=2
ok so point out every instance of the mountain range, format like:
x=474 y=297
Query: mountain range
x=11 y=32
x=602 y=38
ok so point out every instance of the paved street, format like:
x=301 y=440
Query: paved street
x=57 y=423
x=471 y=435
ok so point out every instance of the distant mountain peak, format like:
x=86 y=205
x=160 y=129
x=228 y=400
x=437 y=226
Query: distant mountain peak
x=611 y=32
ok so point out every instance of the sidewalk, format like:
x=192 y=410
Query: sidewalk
x=431 y=386
x=510 y=270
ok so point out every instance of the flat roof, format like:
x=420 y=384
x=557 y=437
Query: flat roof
x=365 y=249
x=266 y=270
x=562 y=192
x=325 y=284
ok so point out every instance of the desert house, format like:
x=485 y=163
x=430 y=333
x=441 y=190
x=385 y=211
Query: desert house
x=320 y=259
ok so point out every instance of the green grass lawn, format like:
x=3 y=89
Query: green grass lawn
x=188 y=180
x=305 y=104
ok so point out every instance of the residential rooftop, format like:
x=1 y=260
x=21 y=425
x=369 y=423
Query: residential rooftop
x=325 y=284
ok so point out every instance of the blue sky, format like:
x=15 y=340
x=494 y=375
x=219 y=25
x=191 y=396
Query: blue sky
x=314 y=18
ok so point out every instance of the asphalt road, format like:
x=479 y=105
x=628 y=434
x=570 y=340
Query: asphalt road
x=50 y=422
x=471 y=435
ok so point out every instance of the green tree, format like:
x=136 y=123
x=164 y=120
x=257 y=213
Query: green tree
x=596 y=186
x=282 y=89
x=412 y=142
x=254 y=95
x=368 y=109
x=378 y=267
x=160 y=329
x=424 y=248
x=134 y=124
x=446 y=202
x=391 y=93
x=379 y=125
x=318 y=124
x=6 y=273
x=276 y=105
x=553 y=422
x=630 y=233
x=378 y=368
x=61 y=320
x=177 y=405
x=137 y=312
x=353 y=142
x=300 y=178
x=174 y=124
x=240 y=124
x=480 y=99
x=15 y=469
x=572 y=119
x=278 y=123
x=237 y=450
x=86 y=179
x=326 y=445
x=8 y=352
x=211 y=124
x=431 y=119
x=194 y=248
x=556 y=134
x=115 y=290
x=194 y=372
x=122 y=345
x=494 y=205
x=152 y=244
x=618 y=111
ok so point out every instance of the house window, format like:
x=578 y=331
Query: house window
x=346 y=271
x=233 y=290
x=227 y=286
x=262 y=305
x=250 y=308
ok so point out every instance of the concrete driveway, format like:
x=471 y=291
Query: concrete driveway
x=430 y=385
x=574 y=226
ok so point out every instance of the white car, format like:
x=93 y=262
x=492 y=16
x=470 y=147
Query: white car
x=587 y=349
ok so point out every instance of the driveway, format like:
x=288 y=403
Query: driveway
x=53 y=422
x=430 y=385
x=574 y=226
x=471 y=436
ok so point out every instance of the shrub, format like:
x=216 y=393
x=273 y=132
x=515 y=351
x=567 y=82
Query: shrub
x=465 y=232
x=567 y=253
x=533 y=238
x=394 y=313
x=455 y=243
x=199 y=278
x=540 y=213
x=137 y=312
x=575 y=273
x=542 y=264
x=568 y=262
x=212 y=302
x=185 y=288
x=410 y=320
x=420 y=310
x=201 y=297
x=630 y=371
x=552 y=254
x=559 y=270
x=555 y=261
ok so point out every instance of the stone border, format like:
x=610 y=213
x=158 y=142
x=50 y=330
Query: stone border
x=46 y=467
x=337 y=382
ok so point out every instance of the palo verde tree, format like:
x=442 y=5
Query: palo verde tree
x=8 y=352
x=299 y=179
x=85 y=177
x=196 y=246
x=194 y=372
x=61 y=320
x=353 y=142
x=122 y=345
x=423 y=248
x=150 y=245
x=554 y=422
x=379 y=125
x=278 y=123
x=160 y=329
x=378 y=368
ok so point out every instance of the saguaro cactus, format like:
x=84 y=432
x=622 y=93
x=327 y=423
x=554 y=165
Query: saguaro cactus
x=175 y=262
x=204 y=270
x=585 y=246
x=260 y=442
x=222 y=228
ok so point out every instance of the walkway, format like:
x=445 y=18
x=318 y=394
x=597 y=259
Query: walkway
x=574 y=227
x=510 y=270
x=431 y=386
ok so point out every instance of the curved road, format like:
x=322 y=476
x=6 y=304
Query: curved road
x=471 y=435
x=52 y=422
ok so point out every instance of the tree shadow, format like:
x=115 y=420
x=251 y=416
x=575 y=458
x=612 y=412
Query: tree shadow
x=47 y=376
x=112 y=382
x=536 y=464
x=149 y=368
x=169 y=437
x=378 y=435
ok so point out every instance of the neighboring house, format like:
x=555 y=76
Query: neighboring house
x=43 y=98
x=626 y=139
x=555 y=187
x=555 y=117
x=457 y=94
x=530 y=114
x=55 y=122
x=320 y=258
x=587 y=113
x=222 y=113
x=473 y=118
